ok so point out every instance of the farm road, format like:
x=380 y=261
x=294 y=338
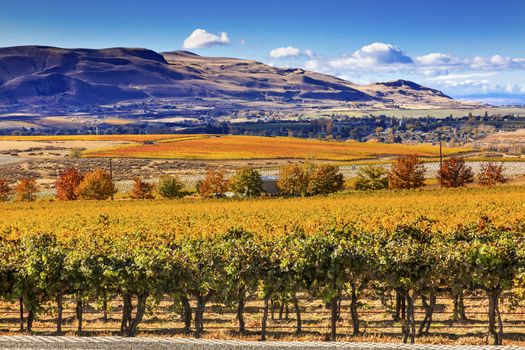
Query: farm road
x=119 y=343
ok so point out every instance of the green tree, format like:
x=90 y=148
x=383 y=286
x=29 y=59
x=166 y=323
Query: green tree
x=293 y=180
x=170 y=187
x=325 y=179
x=246 y=182
x=371 y=178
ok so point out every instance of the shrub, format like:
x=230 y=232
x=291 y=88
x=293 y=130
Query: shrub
x=75 y=152
x=325 y=179
x=371 y=178
x=408 y=172
x=26 y=190
x=141 y=189
x=170 y=187
x=455 y=173
x=293 y=180
x=491 y=174
x=5 y=190
x=96 y=185
x=67 y=183
x=214 y=184
x=247 y=182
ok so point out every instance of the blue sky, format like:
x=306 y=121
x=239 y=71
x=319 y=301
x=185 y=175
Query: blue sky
x=467 y=48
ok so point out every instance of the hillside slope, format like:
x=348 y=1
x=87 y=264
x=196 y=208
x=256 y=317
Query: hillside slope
x=41 y=77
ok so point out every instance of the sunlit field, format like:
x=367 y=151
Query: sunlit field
x=255 y=147
x=448 y=207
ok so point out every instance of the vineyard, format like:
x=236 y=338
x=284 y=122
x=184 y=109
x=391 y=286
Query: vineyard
x=255 y=147
x=345 y=265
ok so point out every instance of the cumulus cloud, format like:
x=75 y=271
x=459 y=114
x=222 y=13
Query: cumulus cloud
x=456 y=75
x=290 y=51
x=201 y=38
x=382 y=57
x=376 y=55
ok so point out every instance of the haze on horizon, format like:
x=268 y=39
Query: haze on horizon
x=468 y=49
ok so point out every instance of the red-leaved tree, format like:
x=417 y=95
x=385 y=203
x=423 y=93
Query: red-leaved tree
x=455 y=173
x=67 y=184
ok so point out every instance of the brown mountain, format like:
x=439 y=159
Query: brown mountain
x=38 y=76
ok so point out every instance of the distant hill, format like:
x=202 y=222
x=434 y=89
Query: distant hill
x=40 y=77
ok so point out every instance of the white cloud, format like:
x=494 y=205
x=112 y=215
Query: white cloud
x=312 y=64
x=464 y=76
x=456 y=75
x=377 y=55
x=436 y=59
x=288 y=51
x=308 y=53
x=201 y=38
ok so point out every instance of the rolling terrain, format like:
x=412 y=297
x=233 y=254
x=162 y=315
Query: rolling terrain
x=37 y=78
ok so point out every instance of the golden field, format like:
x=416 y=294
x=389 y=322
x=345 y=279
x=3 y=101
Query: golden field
x=265 y=217
x=257 y=147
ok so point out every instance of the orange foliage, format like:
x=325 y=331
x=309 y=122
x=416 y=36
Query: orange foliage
x=407 y=172
x=141 y=189
x=455 y=173
x=215 y=184
x=5 y=190
x=26 y=190
x=96 y=185
x=67 y=183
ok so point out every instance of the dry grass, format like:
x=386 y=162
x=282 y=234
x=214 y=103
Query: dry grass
x=220 y=322
x=255 y=147
x=133 y=138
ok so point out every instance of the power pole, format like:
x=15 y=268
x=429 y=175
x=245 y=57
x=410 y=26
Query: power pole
x=111 y=174
x=440 y=161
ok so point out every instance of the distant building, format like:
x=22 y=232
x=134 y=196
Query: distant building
x=269 y=185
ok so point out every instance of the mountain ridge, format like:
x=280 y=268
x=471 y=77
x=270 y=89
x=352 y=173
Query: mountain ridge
x=45 y=76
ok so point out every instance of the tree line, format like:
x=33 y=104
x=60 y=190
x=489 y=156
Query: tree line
x=294 y=179
x=414 y=261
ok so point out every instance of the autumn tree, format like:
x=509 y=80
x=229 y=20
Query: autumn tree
x=67 y=184
x=247 y=182
x=141 y=189
x=26 y=190
x=371 y=178
x=5 y=190
x=455 y=173
x=96 y=185
x=214 y=184
x=325 y=179
x=491 y=174
x=408 y=172
x=170 y=187
x=293 y=180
